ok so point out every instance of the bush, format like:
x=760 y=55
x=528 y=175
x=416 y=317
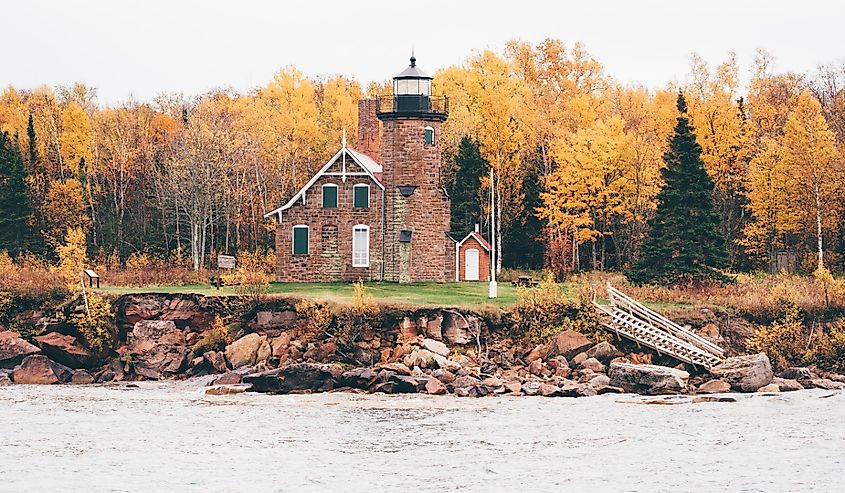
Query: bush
x=314 y=318
x=96 y=326
x=216 y=338
x=362 y=314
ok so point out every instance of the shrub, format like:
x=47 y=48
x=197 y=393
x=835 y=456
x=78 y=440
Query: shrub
x=361 y=315
x=72 y=258
x=216 y=338
x=96 y=326
x=784 y=341
x=314 y=318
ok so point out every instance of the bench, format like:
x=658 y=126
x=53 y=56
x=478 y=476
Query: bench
x=525 y=281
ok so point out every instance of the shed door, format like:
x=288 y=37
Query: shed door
x=471 y=265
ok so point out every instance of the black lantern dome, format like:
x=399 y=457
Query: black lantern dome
x=412 y=96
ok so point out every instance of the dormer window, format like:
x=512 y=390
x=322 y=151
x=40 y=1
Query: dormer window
x=428 y=136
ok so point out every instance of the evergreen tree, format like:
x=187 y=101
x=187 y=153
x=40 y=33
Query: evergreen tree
x=467 y=208
x=524 y=239
x=14 y=202
x=32 y=152
x=683 y=244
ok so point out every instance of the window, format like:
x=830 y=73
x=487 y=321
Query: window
x=361 y=246
x=329 y=196
x=429 y=136
x=361 y=196
x=300 y=240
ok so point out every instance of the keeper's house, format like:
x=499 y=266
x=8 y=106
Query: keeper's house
x=378 y=212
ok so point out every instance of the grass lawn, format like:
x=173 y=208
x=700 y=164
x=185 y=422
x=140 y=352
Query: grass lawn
x=430 y=294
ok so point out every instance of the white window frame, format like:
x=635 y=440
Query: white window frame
x=336 y=196
x=433 y=135
x=361 y=185
x=356 y=247
x=293 y=238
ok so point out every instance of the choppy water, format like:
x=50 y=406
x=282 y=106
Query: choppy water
x=171 y=437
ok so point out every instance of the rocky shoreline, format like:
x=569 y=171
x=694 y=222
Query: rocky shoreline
x=432 y=351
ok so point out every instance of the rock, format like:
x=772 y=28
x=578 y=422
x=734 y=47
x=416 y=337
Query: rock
x=66 y=350
x=265 y=352
x=599 y=381
x=531 y=387
x=772 y=387
x=536 y=367
x=296 y=378
x=603 y=351
x=712 y=398
x=539 y=352
x=798 y=373
x=434 y=327
x=216 y=360
x=162 y=361
x=465 y=382
x=593 y=364
x=39 y=369
x=272 y=320
x=408 y=330
x=609 y=389
x=436 y=347
x=714 y=387
x=548 y=390
x=230 y=378
x=787 y=385
x=81 y=377
x=568 y=343
x=745 y=373
x=153 y=330
x=455 y=328
x=399 y=384
x=816 y=383
x=358 y=378
x=575 y=389
x=244 y=351
x=578 y=359
x=648 y=379
x=444 y=376
x=395 y=367
x=513 y=387
x=227 y=389
x=5 y=380
x=13 y=349
x=435 y=387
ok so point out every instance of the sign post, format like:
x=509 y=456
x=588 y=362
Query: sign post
x=223 y=262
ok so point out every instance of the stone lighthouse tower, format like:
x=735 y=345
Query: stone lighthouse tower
x=417 y=246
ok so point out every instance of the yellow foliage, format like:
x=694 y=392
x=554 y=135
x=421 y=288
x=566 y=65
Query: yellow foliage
x=72 y=258
x=97 y=326
x=216 y=338
x=75 y=140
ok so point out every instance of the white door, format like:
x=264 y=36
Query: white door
x=471 y=265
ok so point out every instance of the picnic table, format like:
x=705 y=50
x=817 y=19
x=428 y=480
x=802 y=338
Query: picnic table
x=525 y=281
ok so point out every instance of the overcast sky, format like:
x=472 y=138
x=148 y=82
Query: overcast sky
x=143 y=48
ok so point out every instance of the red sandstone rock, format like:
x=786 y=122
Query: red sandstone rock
x=569 y=343
x=13 y=349
x=66 y=350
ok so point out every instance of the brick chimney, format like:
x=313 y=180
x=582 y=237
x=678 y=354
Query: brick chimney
x=369 y=134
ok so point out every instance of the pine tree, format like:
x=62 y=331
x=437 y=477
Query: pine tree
x=683 y=244
x=466 y=204
x=14 y=202
x=33 y=150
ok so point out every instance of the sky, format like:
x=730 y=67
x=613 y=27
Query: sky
x=137 y=49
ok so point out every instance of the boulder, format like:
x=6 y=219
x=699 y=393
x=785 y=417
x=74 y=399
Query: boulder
x=358 y=378
x=603 y=351
x=772 y=387
x=465 y=382
x=244 y=351
x=592 y=364
x=798 y=373
x=819 y=383
x=787 y=385
x=536 y=367
x=745 y=373
x=230 y=378
x=435 y=387
x=227 y=389
x=4 y=379
x=13 y=349
x=66 y=350
x=548 y=390
x=455 y=328
x=648 y=379
x=162 y=361
x=39 y=369
x=599 y=381
x=153 y=330
x=81 y=377
x=297 y=378
x=714 y=387
x=434 y=327
x=216 y=361
x=531 y=387
x=539 y=352
x=568 y=343
x=272 y=320
x=569 y=388
x=435 y=347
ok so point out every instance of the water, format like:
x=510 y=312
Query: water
x=171 y=437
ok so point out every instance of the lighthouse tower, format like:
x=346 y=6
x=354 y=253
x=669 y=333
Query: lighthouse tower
x=417 y=246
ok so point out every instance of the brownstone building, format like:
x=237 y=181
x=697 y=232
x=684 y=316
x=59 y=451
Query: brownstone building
x=377 y=213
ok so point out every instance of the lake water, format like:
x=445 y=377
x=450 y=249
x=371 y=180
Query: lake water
x=172 y=437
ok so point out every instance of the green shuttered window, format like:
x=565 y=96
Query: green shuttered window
x=361 y=197
x=300 y=240
x=329 y=196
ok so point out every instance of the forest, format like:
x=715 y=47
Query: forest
x=578 y=154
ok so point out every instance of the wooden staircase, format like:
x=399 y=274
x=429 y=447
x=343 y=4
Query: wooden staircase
x=626 y=317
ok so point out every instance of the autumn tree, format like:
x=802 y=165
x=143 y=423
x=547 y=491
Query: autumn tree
x=684 y=244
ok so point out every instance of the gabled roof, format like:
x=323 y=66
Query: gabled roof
x=480 y=239
x=368 y=164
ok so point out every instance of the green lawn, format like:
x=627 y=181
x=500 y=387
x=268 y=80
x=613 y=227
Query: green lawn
x=464 y=294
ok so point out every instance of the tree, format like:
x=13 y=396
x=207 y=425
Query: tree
x=465 y=191
x=14 y=201
x=683 y=244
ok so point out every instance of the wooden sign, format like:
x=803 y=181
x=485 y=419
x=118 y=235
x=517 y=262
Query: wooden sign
x=225 y=262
